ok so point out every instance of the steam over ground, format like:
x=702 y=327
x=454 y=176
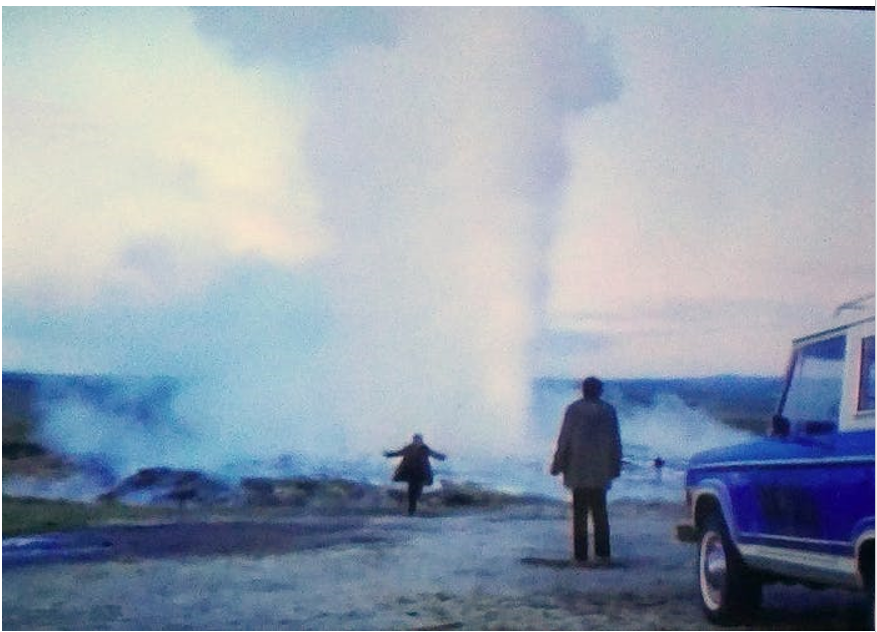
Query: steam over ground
x=114 y=427
x=336 y=227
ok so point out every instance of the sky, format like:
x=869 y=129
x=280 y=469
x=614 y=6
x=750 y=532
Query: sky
x=367 y=213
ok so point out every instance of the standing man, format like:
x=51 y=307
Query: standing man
x=589 y=456
x=415 y=468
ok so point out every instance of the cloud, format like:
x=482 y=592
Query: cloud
x=304 y=36
x=122 y=127
x=736 y=168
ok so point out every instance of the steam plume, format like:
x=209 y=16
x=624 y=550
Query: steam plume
x=439 y=161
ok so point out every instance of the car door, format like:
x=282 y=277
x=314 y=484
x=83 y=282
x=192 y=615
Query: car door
x=803 y=483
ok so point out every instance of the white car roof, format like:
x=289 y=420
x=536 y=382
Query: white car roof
x=848 y=314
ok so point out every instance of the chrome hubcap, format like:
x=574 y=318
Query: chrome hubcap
x=713 y=569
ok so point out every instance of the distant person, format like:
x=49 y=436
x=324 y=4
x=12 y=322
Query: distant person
x=415 y=468
x=658 y=464
x=589 y=457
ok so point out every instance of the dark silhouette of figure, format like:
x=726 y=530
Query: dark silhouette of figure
x=589 y=457
x=415 y=468
x=658 y=464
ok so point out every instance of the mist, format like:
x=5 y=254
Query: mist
x=439 y=220
x=113 y=427
x=435 y=148
x=674 y=430
x=442 y=217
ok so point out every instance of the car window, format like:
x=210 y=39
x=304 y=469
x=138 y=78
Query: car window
x=816 y=382
x=866 y=375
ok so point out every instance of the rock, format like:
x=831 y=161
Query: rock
x=164 y=485
x=259 y=491
x=452 y=495
x=22 y=449
x=468 y=494
x=304 y=491
x=262 y=491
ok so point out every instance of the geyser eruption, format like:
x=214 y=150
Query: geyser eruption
x=438 y=161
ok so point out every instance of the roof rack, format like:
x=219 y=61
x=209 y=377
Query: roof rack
x=865 y=302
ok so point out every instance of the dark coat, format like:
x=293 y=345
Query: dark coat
x=415 y=466
x=589 y=446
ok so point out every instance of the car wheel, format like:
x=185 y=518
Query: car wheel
x=866 y=566
x=728 y=590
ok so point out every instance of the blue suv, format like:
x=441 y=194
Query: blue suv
x=797 y=505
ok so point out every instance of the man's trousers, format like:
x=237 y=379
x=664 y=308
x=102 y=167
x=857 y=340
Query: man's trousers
x=591 y=500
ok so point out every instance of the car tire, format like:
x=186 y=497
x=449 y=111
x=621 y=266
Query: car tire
x=728 y=589
x=866 y=566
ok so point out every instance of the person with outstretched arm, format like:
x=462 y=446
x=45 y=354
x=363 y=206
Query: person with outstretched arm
x=415 y=468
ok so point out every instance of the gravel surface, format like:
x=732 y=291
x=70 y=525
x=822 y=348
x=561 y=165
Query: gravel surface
x=506 y=569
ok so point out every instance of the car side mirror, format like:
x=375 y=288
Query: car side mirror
x=779 y=426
